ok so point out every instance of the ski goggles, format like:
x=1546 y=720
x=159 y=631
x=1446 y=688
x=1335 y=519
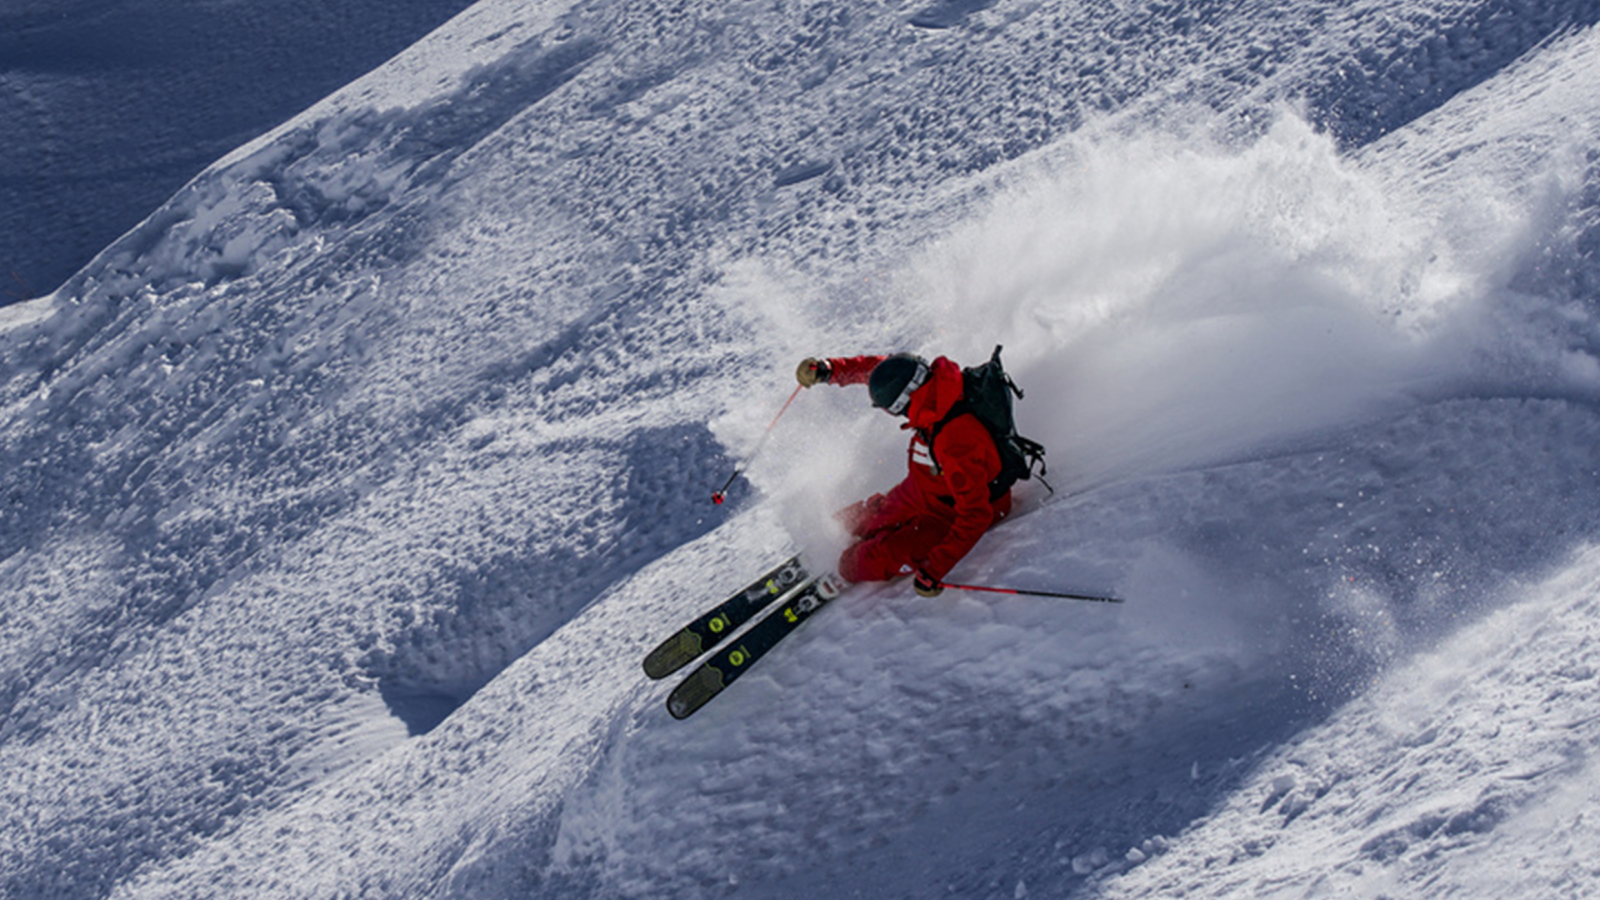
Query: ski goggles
x=898 y=407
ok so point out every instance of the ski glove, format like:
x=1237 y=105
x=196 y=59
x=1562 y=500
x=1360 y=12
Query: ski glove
x=927 y=585
x=813 y=372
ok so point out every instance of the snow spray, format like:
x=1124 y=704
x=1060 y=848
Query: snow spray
x=722 y=494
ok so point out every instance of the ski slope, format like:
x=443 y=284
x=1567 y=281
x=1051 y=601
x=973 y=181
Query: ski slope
x=343 y=495
x=109 y=107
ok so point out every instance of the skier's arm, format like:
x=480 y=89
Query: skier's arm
x=969 y=461
x=843 y=370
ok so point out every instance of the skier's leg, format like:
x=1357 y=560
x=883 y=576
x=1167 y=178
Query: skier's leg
x=861 y=518
x=880 y=511
x=888 y=553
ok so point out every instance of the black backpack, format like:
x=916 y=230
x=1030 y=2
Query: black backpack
x=986 y=394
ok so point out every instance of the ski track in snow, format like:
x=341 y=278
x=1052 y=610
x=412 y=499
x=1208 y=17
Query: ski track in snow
x=344 y=493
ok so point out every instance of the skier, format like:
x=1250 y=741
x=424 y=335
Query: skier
x=925 y=524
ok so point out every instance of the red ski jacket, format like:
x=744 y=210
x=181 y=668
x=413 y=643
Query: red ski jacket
x=952 y=481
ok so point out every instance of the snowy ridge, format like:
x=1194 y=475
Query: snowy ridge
x=109 y=108
x=342 y=496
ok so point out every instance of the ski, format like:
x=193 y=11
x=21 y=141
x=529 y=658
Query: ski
x=732 y=661
x=717 y=623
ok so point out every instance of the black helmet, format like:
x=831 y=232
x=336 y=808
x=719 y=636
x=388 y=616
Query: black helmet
x=893 y=380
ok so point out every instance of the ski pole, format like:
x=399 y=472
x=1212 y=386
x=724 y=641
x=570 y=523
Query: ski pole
x=718 y=496
x=1028 y=593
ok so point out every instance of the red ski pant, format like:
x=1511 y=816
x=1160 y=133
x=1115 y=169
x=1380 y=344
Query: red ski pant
x=893 y=536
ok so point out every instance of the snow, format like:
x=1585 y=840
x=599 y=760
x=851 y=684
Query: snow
x=110 y=107
x=343 y=495
x=1467 y=769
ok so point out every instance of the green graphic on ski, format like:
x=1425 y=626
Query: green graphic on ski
x=722 y=620
x=733 y=660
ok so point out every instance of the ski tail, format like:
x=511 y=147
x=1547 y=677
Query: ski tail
x=712 y=627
